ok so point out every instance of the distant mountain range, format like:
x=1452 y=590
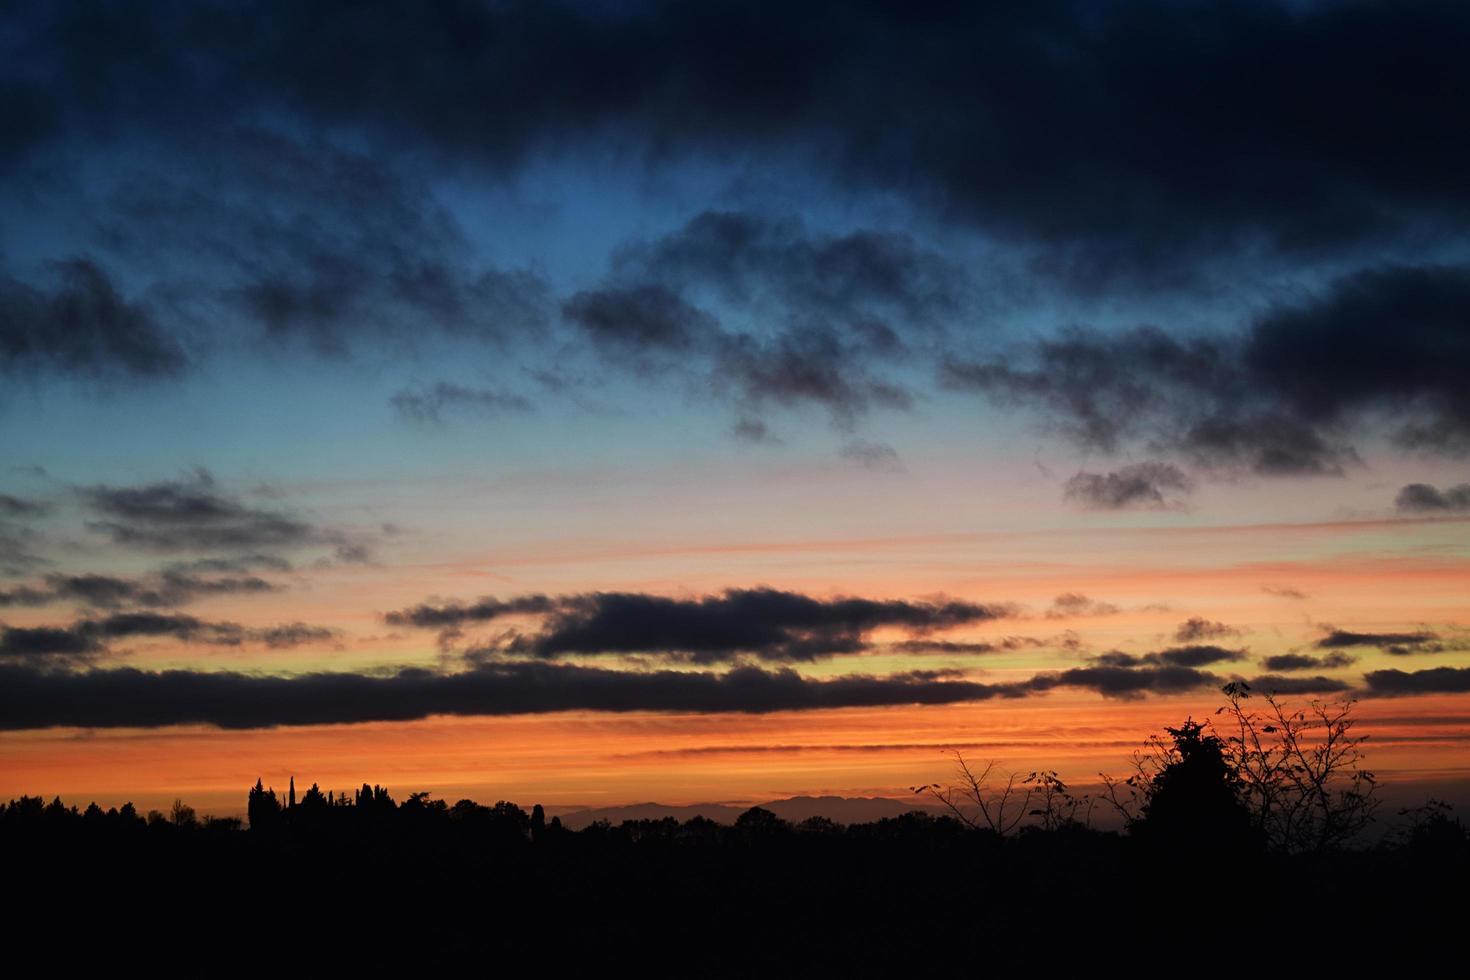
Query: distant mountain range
x=841 y=809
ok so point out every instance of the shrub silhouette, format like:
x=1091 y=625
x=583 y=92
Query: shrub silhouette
x=1193 y=803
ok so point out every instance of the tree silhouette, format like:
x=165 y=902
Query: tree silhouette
x=262 y=808
x=1299 y=771
x=1194 y=801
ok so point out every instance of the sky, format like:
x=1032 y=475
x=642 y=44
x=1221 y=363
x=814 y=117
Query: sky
x=590 y=404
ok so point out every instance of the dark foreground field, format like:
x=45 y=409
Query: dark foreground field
x=373 y=887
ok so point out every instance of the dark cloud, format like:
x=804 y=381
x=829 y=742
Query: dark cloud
x=1382 y=342
x=1198 y=628
x=750 y=261
x=1284 y=592
x=81 y=325
x=765 y=623
x=1303 y=661
x=876 y=456
x=36 y=698
x=47 y=644
x=650 y=328
x=812 y=364
x=639 y=319
x=753 y=430
x=1070 y=604
x=769 y=624
x=303 y=241
x=1115 y=681
x=1275 y=684
x=1131 y=139
x=24 y=596
x=241 y=563
x=31 y=698
x=168 y=588
x=12 y=506
x=17 y=555
x=957 y=647
x=291 y=635
x=131 y=625
x=1109 y=392
x=1142 y=486
x=1066 y=641
x=1421 y=498
x=1437 y=680
x=1199 y=655
x=1392 y=339
x=1398 y=643
x=451 y=614
x=432 y=404
x=822 y=308
x=89 y=637
x=191 y=514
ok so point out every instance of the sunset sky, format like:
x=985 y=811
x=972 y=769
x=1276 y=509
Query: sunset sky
x=590 y=403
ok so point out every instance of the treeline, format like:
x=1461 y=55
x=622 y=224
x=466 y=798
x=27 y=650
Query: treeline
x=1214 y=860
x=377 y=886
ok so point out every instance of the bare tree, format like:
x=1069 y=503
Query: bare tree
x=1300 y=770
x=989 y=798
x=182 y=814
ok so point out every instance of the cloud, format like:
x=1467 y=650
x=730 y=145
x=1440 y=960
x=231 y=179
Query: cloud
x=12 y=506
x=1195 y=656
x=31 y=697
x=89 y=637
x=130 y=625
x=1437 y=680
x=24 y=596
x=1383 y=342
x=765 y=623
x=17 y=556
x=1421 y=498
x=1142 y=486
x=1118 y=141
x=1284 y=592
x=820 y=310
x=432 y=404
x=1199 y=655
x=304 y=242
x=945 y=647
x=451 y=614
x=1395 y=643
x=1070 y=604
x=47 y=644
x=876 y=456
x=288 y=635
x=1302 y=661
x=190 y=514
x=1064 y=641
x=753 y=431
x=1197 y=628
x=639 y=319
x=1143 y=387
x=1114 y=681
x=124 y=697
x=813 y=364
x=80 y=325
x=239 y=563
x=167 y=588
x=1275 y=684
x=751 y=261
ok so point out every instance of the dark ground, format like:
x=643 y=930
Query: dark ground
x=423 y=887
